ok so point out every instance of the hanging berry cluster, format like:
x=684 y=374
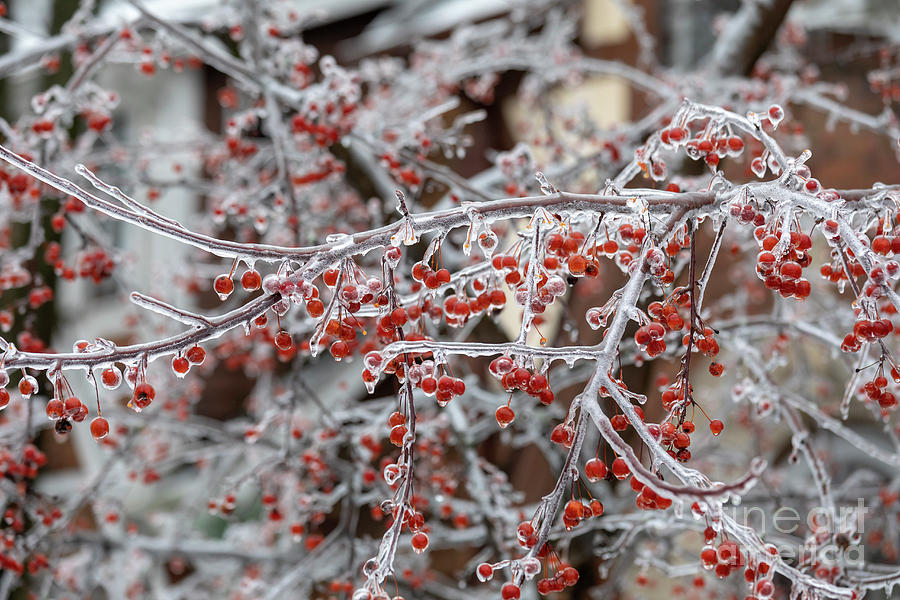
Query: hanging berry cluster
x=519 y=378
x=782 y=271
x=708 y=144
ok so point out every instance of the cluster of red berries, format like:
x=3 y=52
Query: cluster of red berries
x=548 y=288
x=566 y=576
x=658 y=267
x=387 y=324
x=325 y=166
x=238 y=148
x=251 y=281
x=39 y=295
x=705 y=343
x=866 y=330
x=65 y=407
x=576 y=511
x=13 y=276
x=325 y=126
x=225 y=506
x=21 y=187
x=759 y=573
x=458 y=308
x=444 y=388
x=647 y=498
x=96 y=264
x=430 y=278
x=706 y=145
x=344 y=330
x=52 y=254
x=674 y=246
x=513 y=378
x=406 y=175
x=64 y=411
x=507 y=266
x=8 y=563
x=374 y=363
x=649 y=338
x=632 y=238
x=43 y=127
x=26 y=465
x=96 y=120
x=28 y=342
x=666 y=312
x=676 y=439
x=784 y=273
x=397 y=423
x=674 y=395
x=886 y=246
x=526 y=535
x=415 y=522
x=570 y=251
x=181 y=364
x=834 y=271
x=747 y=214
x=884 y=243
x=876 y=391
x=724 y=558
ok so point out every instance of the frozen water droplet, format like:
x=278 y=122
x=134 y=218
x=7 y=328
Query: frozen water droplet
x=547 y=188
x=392 y=256
x=758 y=166
x=391 y=474
x=775 y=114
x=368 y=569
x=487 y=241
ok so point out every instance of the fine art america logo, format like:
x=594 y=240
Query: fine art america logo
x=784 y=526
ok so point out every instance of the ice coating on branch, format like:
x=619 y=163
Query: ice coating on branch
x=339 y=240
